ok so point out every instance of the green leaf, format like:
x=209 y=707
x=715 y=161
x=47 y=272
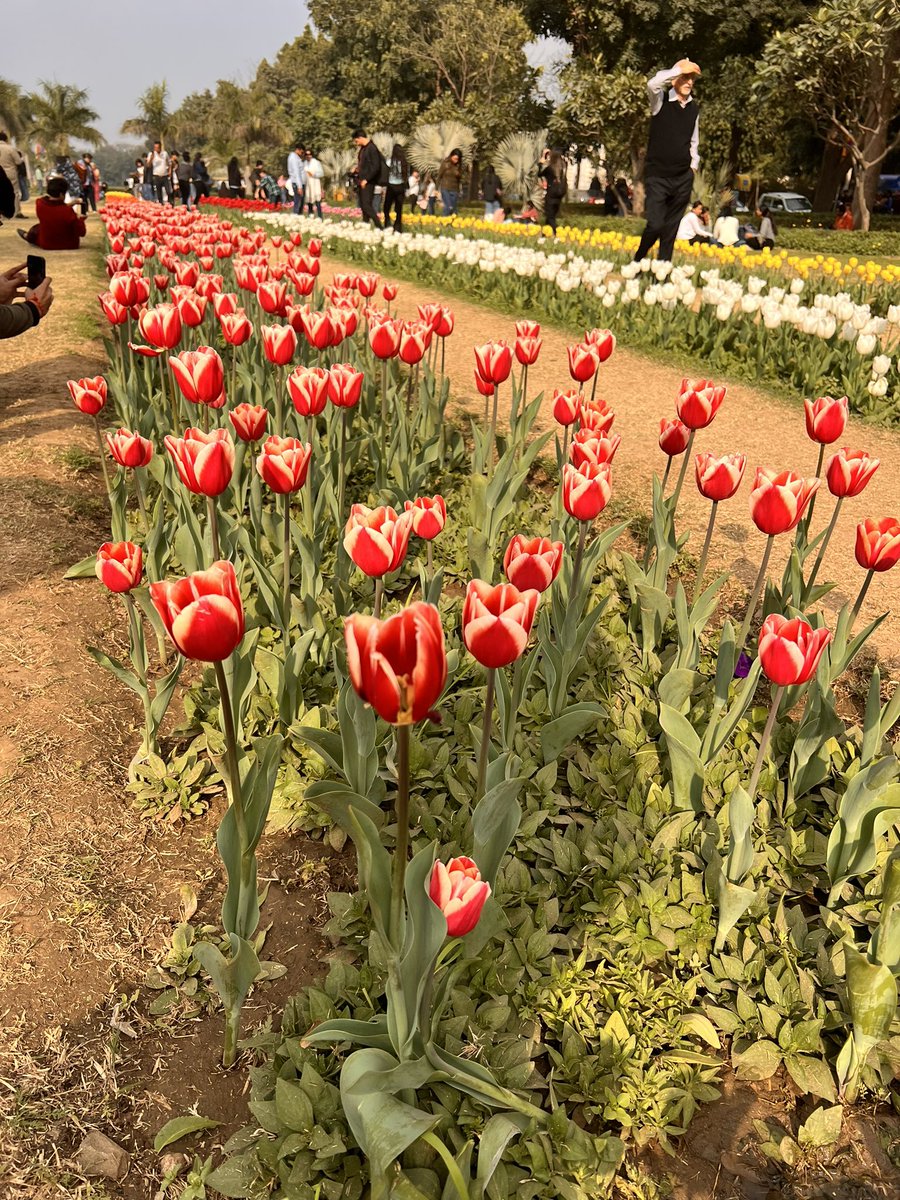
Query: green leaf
x=811 y=1075
x=558 y=735
x=86 y=569
x=236 y=1177
x=822 y=1128
x=870 y=795
x=179 y=1127
x=294 y=1107
x=496 y=1135
x=121 y=673
x=494 y=824
x=760 y=1061
x=683 y=747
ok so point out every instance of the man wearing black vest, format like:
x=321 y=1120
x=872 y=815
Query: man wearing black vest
x=672 y=156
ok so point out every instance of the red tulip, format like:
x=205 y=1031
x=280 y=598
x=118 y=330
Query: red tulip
x=484 y=385
x=532 y=562
x=160 y=282
x=596 y=415
x=367 y=283
x=698 y=402
x=497 y=621
x=129 y=449
x=187 y=273
x=413 y=342
x=126 y=290
x=224 y=304
x=279 y=343
x=849 y=471
x=209 y=287
x=114 y=312
x=790 y=650
x=493 y=361
x=308 y=389
x=527 y=350
x=317 y=327
x=779 y=499
x=389 y=292
x=384 y=338
x=314 y=247
x=590 y=447
x=445 y=325
x=272 y=298
x=459 y=892
x=344 y=385
x=120 y=565
x=399 y=665
x=428 y=516
x=284 y=463
x=674 y=436
x=236 y=327
x=528 y=329
x=583 y=362
x=826 y=418
x=161 y=326
x=249 y=421
x=566 y=407
x=377 y=538
x=719 y=478
x=202 y=613
x=200 y=376
x=586 y=490
x=204 y=461
x=603 y=341
x=430 y=315
x=145 y=351
x=878 y=543
x=88 y=395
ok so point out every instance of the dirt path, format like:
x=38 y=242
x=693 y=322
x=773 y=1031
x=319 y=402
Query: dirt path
x=771 y=432
x=89 y=892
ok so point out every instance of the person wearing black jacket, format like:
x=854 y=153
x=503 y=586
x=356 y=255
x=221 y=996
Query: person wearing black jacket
x=672 y=156
x=369 y=166
x=491 y=190
x=199 y=178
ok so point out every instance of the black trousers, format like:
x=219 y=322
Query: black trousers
x=551 y=211
x=666 y=198
x=393 y=198
x=366 y=198
x=161 y=188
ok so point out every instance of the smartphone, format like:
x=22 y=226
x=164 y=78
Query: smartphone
x=37 y=270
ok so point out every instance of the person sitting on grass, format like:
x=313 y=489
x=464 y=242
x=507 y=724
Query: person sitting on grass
x=844 y=218
x=692 y=229
x=59 y=227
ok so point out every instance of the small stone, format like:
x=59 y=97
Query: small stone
x=173 y=1164
x=100 y=1157
x=735 y=1166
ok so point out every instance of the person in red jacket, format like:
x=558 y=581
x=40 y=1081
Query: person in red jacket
x=59 y=227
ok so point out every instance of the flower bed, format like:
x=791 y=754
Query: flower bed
x=594 y=858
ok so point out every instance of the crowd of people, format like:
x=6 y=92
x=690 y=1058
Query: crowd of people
x=696 y=227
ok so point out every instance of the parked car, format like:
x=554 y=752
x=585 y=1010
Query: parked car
x=791 y=202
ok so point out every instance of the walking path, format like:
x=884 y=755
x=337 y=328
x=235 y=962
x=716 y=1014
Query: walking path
x=770 y=431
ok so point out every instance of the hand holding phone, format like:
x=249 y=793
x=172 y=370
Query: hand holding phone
x=37 y=270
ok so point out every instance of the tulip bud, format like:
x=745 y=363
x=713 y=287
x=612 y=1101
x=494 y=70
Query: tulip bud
x=528 y=329
x=399 y=665
x=384 y=338
x=532 y=562
x=272 y=298
x=698 y=402
x=590 y=447
x=88 y=395
x=389 y=292
x=236 y=327
x=566 y=407
x=114 y=312
x=603 y=341
x=826 y=418
x=161 y=326
x=484 y=386
x=527 y=350
x=279 y=344
x=249 y=421
x=878 y=543
x=308 y=389
x=597 y=416
x=779 y=499
x=129 y=450
x=582 y=362
x=413 y=343
x=377 y=539
x=120 y=566
x=428 y=516
x=344 y=385
x=849 y=471
x=493 y=361
x=460 y=893
x=202 y=613
x=674 y=436
x=790 y=650
x=204 y=461
x=200 y=376
x=719 y=478
x=586 y=490
x=497 y=621
x=284 y=463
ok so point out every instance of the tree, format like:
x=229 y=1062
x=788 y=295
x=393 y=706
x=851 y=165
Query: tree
x=153 y=117
x=841 y=68
x=60 y=112
x=14 y=114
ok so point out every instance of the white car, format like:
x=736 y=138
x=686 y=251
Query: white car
x=791 y=202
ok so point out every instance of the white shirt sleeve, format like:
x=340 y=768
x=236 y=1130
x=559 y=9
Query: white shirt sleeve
x=695 y=145
x=658 y=84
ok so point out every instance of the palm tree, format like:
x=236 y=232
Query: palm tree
x=13 y=109
x=59 y=112
x=153 y=119
x=430 y=144
x=515 y=160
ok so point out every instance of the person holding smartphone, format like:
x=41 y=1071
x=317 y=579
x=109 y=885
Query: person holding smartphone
x=17 y=318
x=59 y=227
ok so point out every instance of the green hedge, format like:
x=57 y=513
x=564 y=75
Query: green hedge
x=840 y=241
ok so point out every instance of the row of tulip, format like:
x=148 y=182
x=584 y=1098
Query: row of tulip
x=376 y=428
x=748 y=325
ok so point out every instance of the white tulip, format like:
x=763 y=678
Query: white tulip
x=724 y=310
x=797 y=286
x=866 y=343
x=877 y=387
x=881 y=364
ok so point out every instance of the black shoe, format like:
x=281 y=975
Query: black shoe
x=21 y=217
x=22 y=234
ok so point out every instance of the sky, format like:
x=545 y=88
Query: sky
x=117 y=48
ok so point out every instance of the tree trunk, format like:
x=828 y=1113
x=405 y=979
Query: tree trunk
x=861 y=213
x=831 y=174
x=638 y=154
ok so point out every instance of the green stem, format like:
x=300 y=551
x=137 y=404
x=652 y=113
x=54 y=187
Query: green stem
x=594 y=385
x=286 y=566
x=493 y=436
x=862 y=595
x=382 y=466
x=101 y=449
x=764 y=742
x=666 y=473
x=401 y=850
x=232 y=396
x=213 y=527
x=342 y=465
x=704 y=553
x=142 y=503
x=807 y=521
x=379 y=597
x=139 y=659
x=234 y=779
x=486 y=733
x=754 y=597
x=429 y=562
x=279 y=401
x=828 y=532
x=576 y=566
x=682 y=472
x=565 y=450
